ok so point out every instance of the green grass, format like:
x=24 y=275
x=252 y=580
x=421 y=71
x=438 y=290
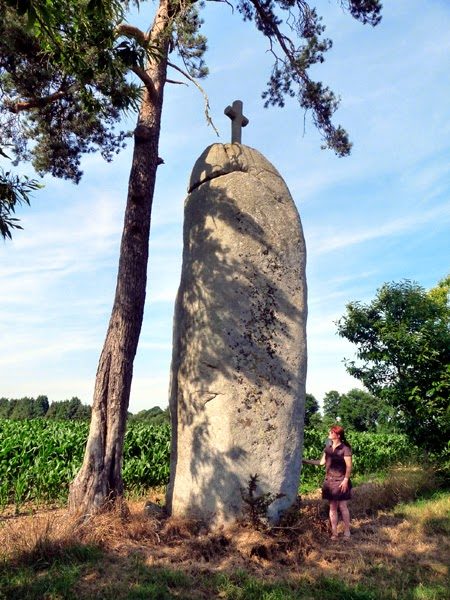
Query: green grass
x=141 y=582
x=46 y=575
x=138 y=581
x=242 y=586
x=430 y=513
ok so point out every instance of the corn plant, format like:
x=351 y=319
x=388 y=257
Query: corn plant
x=39 y=458
x=372 y=452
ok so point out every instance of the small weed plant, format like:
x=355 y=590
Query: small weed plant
x=256 y=504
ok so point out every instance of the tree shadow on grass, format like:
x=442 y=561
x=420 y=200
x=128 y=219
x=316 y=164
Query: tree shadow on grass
x=437 y=525
x=112 y=577
x=46 y=572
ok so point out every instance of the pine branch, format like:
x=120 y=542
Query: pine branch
x=133 y=32
x=202 y=91
x=146 y=79
x=16 y=107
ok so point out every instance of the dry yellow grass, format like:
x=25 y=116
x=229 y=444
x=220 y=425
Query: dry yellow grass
x=389 y=547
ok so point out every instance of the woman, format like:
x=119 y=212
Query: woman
x=337 y=458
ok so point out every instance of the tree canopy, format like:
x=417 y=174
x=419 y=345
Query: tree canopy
x=64 y=76
x=312 y=414
x=358 y=410
x=33 y=408
x=402 y=343
x=151 y=416
x=63 y=89
x=23 y=408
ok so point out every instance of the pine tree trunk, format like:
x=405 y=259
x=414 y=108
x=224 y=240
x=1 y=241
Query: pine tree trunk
x=99 y=481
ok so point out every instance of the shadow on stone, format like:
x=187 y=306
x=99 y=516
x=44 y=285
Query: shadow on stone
x=239 y=346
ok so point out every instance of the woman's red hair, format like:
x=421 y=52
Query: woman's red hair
x=338 y=430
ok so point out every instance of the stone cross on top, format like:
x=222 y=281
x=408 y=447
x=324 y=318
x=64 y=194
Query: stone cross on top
x=237 y=120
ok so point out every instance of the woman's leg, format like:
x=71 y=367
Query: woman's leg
x=345 y=516
x=334 y=517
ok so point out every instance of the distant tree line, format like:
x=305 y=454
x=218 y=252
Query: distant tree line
x=356 y=410
x=69 y=410
x=35 y=408
x=152 y=416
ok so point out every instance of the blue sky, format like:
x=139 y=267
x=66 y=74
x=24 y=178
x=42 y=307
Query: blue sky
x=382 y=214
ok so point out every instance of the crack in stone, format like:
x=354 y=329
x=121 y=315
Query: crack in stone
x=215 y=175
x=253 y=171
x=213 y=396
x=243 y=162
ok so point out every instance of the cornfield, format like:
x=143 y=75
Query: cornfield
x=39 y=458
x=372 y=452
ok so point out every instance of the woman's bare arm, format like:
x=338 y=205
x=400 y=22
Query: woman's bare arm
x=348 y=472
x=348 y=466
x=317 y=463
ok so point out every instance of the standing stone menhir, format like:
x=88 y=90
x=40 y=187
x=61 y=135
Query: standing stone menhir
x=239 y=345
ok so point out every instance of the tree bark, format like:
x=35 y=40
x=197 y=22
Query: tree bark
x=99 y=481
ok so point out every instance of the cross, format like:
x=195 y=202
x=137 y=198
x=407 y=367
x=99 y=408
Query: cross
x=237 y=120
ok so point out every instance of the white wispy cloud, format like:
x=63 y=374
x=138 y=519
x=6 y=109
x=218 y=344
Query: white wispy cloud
x=323 y=242
x=42 y=348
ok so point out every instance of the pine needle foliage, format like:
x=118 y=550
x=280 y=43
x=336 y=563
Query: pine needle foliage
x=295 y=34
x=64 y=70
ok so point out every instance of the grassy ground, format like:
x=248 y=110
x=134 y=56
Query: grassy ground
x=399 y=549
